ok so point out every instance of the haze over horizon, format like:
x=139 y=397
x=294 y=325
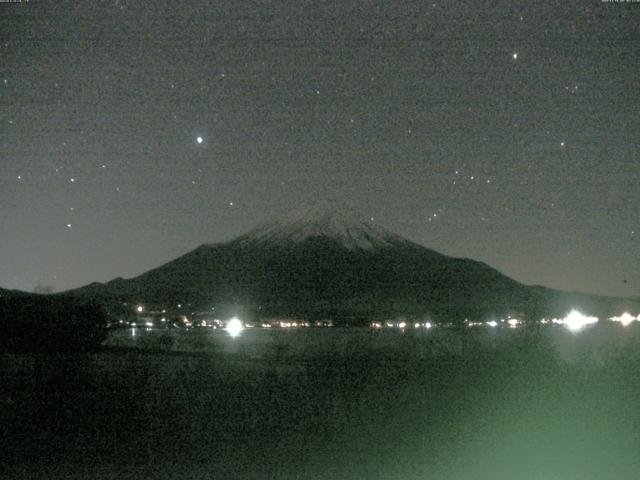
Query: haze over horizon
x=132 y=132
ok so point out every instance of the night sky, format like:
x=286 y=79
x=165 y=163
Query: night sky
x=133 y=131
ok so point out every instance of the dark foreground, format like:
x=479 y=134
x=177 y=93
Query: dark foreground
x=513 y=405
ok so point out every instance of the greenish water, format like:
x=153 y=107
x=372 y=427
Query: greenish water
x=329 y=404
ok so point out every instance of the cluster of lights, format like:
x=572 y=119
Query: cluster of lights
x=235 y=326
x=401 y=325
x=475 y=324
x=293 y=324
x=215 y=323
x=514 y=322
x=625 y=319
x=574 y=321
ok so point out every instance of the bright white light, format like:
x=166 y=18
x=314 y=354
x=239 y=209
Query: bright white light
x=149 y=324
x=575 y=321
x=513 y=322
x=492 y=323
x=402 y=325
x=199 y=139
x=234 y=327
x=139 y=308
x=428 y=325
x=625 y=319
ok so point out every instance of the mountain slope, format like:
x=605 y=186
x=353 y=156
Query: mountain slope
x=5 y=293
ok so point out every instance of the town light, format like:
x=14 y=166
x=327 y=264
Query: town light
x=625 y=319
x=576 y=321
x=234 y=327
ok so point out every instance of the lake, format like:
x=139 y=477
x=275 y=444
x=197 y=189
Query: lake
x=328 y=403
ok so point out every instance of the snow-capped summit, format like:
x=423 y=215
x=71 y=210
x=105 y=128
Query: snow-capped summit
x=326 y=219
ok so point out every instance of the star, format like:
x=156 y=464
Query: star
x=68 y=225
x=199 y=140
x=515 y=55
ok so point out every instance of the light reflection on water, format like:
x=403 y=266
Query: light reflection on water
x=593 y=345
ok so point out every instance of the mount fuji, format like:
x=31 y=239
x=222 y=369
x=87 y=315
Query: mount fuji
x=323 y=260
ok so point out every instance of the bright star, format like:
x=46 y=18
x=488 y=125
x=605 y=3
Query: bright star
x=199 y=139
x=515 y=56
